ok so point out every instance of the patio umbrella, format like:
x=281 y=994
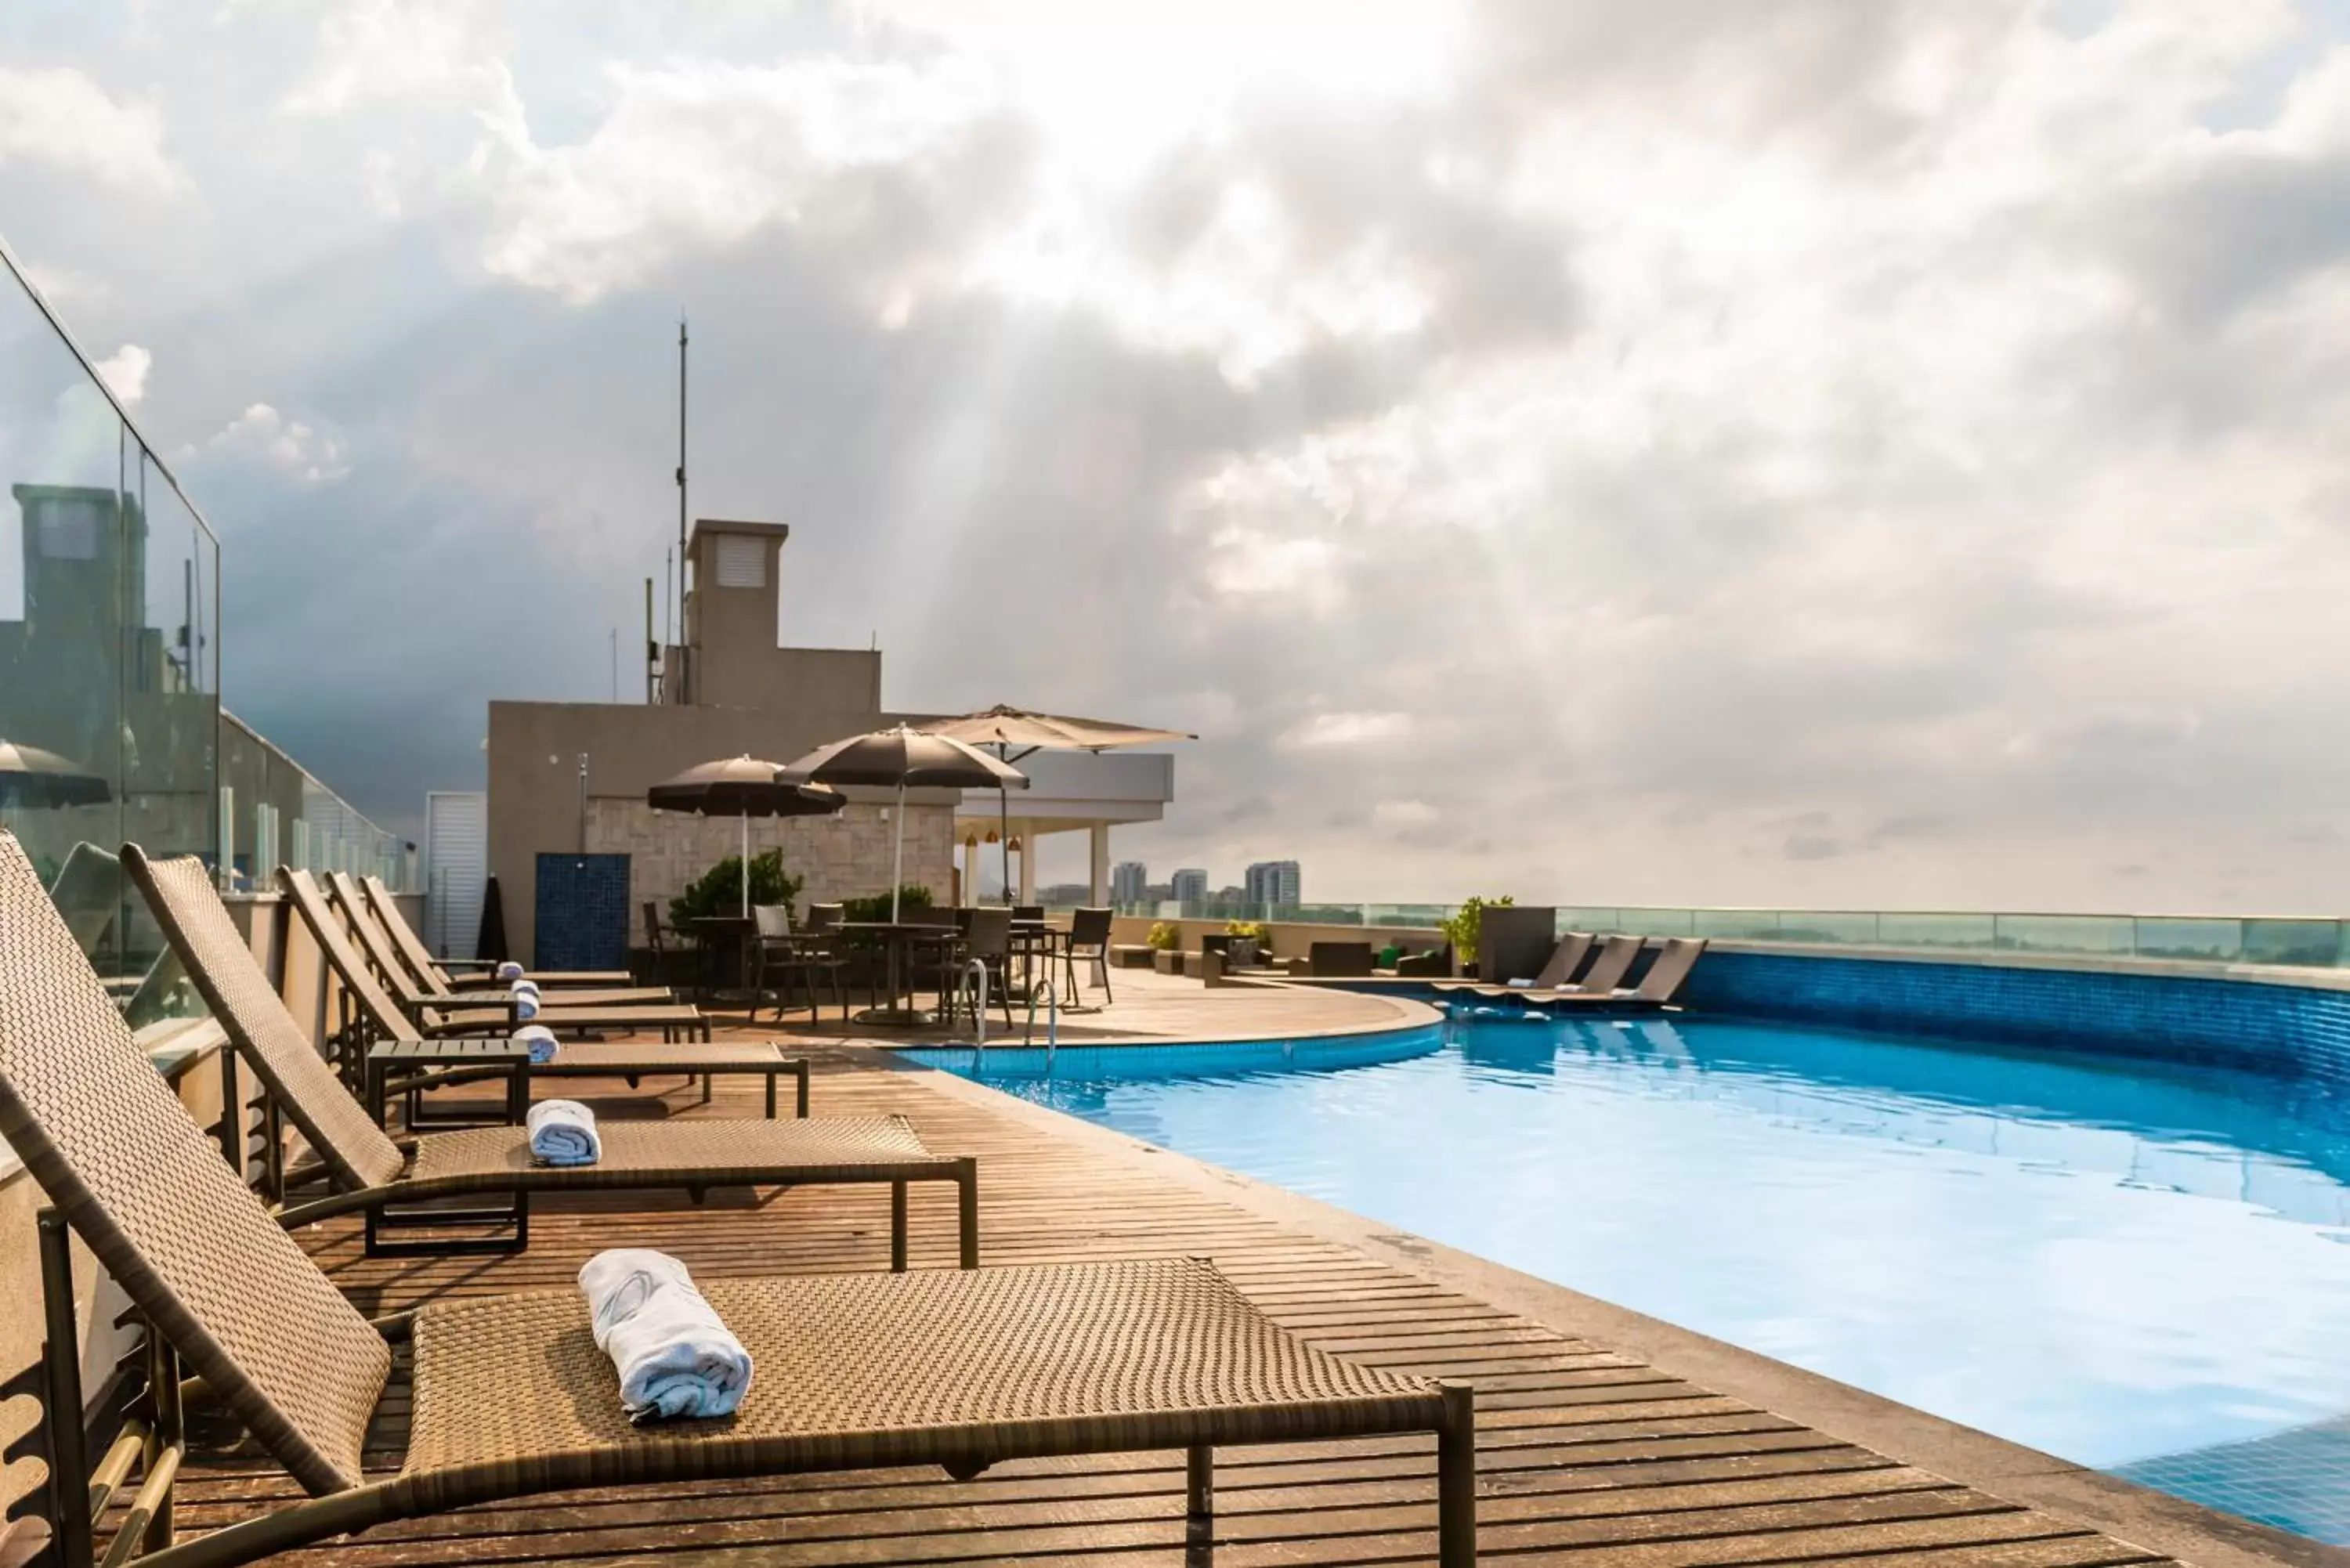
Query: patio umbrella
x=1005 y=727
x=30 y=776
x=746 y=787
x=906 y=758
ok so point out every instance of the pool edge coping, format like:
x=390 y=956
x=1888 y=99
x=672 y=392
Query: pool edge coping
x=2133 y=1513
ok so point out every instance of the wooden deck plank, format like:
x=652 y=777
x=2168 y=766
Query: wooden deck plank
x=1585 y=1454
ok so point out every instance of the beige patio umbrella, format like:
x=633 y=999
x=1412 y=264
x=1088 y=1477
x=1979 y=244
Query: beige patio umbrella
x=1006 y=728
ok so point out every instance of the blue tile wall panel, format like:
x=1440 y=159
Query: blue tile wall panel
x=583 y=912
x=2288 y=1031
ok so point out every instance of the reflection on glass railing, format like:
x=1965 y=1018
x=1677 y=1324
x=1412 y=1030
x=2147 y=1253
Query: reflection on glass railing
x=2201 y=939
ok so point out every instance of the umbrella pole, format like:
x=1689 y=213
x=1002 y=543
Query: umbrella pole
x=746 y=865
x=897 y=853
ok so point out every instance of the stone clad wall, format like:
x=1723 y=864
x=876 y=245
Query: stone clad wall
x=841 y=857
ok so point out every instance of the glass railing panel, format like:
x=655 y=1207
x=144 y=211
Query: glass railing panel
x=1588 y=918
x=1735 y=925
x=1937 y=929
x=1838 y=927
x=2091 y=934
x=1655 y=922
x=62 y=540
x=2288 y=942
x=1421 y=916
x=2210 y=940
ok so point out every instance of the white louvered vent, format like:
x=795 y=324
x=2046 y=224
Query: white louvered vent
x=742 y=561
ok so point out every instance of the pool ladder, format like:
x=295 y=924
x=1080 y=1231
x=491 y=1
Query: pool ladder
x=1052 y=1020
x=971 y=986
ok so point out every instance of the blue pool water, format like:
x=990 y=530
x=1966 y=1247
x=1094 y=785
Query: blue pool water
x=2140 y=1266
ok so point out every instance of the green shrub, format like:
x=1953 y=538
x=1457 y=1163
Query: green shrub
x=875 y=907
x=1461 y=929
x=1165 y=936
x=719 y=890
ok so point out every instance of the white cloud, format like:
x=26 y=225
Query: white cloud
x=1349 y=730
x=60 y=118
x=125 y=372
x=289 y=448
x=372 y=50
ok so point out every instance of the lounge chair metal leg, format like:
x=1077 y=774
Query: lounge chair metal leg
x=1456 y=1479
x=967 y=1210
x=897 y=1227
x=1199 y=1506
x=61 y=1396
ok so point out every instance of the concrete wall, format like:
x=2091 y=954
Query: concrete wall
x=842 y=856
x=533 y=776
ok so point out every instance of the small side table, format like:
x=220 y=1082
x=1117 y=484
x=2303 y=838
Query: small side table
x=420 y=1064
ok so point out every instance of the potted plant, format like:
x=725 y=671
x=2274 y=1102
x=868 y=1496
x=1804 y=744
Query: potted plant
x=719 y=890
x=1246 y=943
x=1166 y=941
x=1462 y=929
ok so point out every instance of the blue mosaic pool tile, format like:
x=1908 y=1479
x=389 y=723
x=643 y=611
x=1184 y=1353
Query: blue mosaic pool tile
x=2297 y=1480
x=2281 y=1029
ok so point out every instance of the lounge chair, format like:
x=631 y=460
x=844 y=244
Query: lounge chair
x=445 y=972
x=1558 y=970
x=435 y=1019
x=383 y=954
x=508 y=1396
x=382 y=1180
x=1657 y=989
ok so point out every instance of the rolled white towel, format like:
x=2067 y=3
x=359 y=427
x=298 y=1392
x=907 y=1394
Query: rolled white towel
x=524 y=996
x=563 y=1132
x=509 y=971
x=541 y=1041
x=1519 y=984
x=675 y=1358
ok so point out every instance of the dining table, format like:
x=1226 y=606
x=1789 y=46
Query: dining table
x=897 y=937
x=716 y=933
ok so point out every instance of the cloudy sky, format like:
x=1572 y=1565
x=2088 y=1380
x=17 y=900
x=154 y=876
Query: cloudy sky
x=1832 y=452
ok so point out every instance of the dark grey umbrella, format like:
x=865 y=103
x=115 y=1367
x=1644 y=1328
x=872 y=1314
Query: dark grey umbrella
x=31 y=776
x=904 y=758
x=746 y=787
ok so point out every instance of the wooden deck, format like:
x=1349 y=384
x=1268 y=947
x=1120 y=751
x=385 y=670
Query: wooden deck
x=1584 y=1455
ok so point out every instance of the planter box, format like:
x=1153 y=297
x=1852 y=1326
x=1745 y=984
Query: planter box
x=1129 y=955
x=1167 y=960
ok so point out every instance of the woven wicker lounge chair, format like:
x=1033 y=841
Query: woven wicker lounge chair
x=1657 y=989
x=508 y=1396
x=1617 y=956
x=384 y=1180
x=383 y=957
x=432 y=1019
x=1565 y=962
x=444 y=973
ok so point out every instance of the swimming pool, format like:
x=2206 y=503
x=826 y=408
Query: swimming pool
x=2140 y=1266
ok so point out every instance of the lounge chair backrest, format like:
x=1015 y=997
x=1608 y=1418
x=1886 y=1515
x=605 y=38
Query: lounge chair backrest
x=379 y=1009
x=87 y=893
x=406 y=945
x=244 y=1004
x=148 y=1190
x=1671 y=971
x=1089 y=928
x=1565 y=959
x=368 y=932
x=774 y=920
x=1617 y=956
x=989 y=935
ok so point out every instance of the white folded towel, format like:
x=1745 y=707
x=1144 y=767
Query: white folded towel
x=541 y=1041
x=524 y=995
x=563 y=1132
x=509 y=971
x=1519 y=984
x=674 y=1354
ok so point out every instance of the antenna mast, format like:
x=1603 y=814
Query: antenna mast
x=684 y=659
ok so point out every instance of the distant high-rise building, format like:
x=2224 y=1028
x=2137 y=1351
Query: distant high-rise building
x=1129 y=882
x=1271 y=882
x=1188 y=886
